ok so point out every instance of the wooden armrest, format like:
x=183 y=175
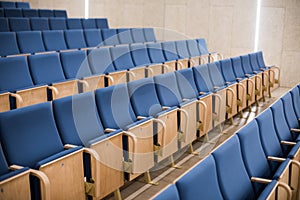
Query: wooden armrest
x=201 y=93
x=247 y=75
x=109 y=130
x=185 y=99
x=238 y=79
x=271 y=158
x=140 y=117
x=261 y=180
x=165 y=107
x=294 y=130
x=288 y=143
x=45 y=183
x=216 y=87
x=15 y=167
x=69 y=146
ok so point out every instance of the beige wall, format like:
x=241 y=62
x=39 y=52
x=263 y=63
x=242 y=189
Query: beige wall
x=227 y=25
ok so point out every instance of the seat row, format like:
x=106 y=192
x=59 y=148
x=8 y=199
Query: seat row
x=15 y=24
x=261 y=161
x=31 y=42
x=17 y=4
x=27 y=12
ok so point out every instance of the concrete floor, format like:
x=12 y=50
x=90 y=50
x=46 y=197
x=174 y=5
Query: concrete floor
x=164 y=174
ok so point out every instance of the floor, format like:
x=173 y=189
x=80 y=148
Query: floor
x=163 y=174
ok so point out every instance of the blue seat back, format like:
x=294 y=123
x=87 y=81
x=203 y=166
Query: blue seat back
x=124 y=35
x=22 y=5
x=1 y=12
x=39 y=23
x=202 y=79
x=182 y=49
x=34 y=139
x=227 y=70
x=110 y=36
x=77 y=119
x=149 y=35
x=138 y=35
x=102 y=23
x=88 y=23
x=254 y=62
x=202 y=46
x=237 y=67
x=3 y=164
x=100 y=61
x=169 y=193
x=231 y=171
x=75 y=39
x=19 y=24
x=60 y=13
x=74 y=23
x=216 y=74
x=30 y=13
x=169 y=49
x=9 y=45
x=7 y=4
x=114 y=107
x=260 y=59
x=167 y=89
x=186 y=83
x=144 y=103
x=30 y=41
x=295 y=92
x=54 y=40
x=13 y=12
x=14 y=74
x=122 y=57
x=75 y=64
x=57 y=23
x=46 y=68
x=4 y=25
x=246 y=64
x=46 y=13
x=93 y=37
x=203 y=174
x=193 y=48
x=289 y=112
x=139 y=54
x=155 y=52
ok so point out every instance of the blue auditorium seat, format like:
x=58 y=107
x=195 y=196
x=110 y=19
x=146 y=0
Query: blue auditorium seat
x=57 y=23
x=93 y=37
x=60 y=13
x=54 y=40
x=295 y=92
x=168 y=193
x=138 y=35
x=74 y=23
x=4 y=25
x=149 y=35
x=262 y=65
x=30 y=12
x=124 y=35
x=203 y=50
x=110 y=37
x=39 y=23
x=9 y=45
x=19 y=24
x=183 y=53
x=88 y=23
x=1 y=12
x=46 y=13
x=102 y=23
x=75 y=39
x=30 y=42
x=194 y=52
x=13 y=12
x=36 y=145
x=7 y=4
x=22 y=5
x=170 y=52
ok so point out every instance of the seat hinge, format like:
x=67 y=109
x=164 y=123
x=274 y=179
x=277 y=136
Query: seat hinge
x=90 y=188
x=157 y=149
x=181 y=136
x=127 y=166
x=200 y=125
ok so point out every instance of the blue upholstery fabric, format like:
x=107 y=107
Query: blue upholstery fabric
x=114 y=107
x=13 y=12
x=182 y=49
x=215 y=74
x=110 y=36
x=167 y=89
x=4 y=25
x=202 y=46
x=260 y=59
x=39 y=24
x=121 y=57
x=30 y=13
x=290 y=114
x=3 y=164
x=193 y=48
x=138 y=35
x=12 y=173
x=254 y=62
x=200 y=182
x=46 y=13
x=60 y=13
x=233 y=178
x=75 y=39
x=19 y=24
x=246 y=64
x=102 y=23
x=124 y=35
x=93 y=37
x=156 y=53
x=7 y=4
x=75 y=64
x=144 y=103
x=139 y=54
x=149 y=35
x=88 y=23
x=100 y=61
x=169 y=49
x=14 y=74
x=22 y=5
x=295 y=92
x=34 y=139
x=54 y=40
x=170 y=193
x=186 y=83
x=30 y=42
x=1 y=12
x=74 y=23
x=57 y=23
x=77 y=119
x=227 y=70
x=202 y=79
x=267 y=191
x=46 y=68
x=237 y=67
x=9 y=45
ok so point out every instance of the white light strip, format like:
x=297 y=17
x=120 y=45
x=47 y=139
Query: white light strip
x=86 y=9
x=258 y=6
